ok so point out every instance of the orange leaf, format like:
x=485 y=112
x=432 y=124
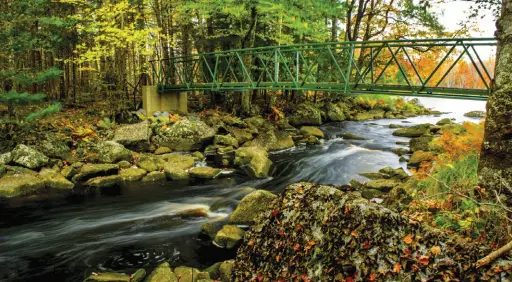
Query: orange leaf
x=278 y=258
x=424 y=260
x=299 y=227
x=372 y=277
x=366 y=245
x=435 y=250
x=260 y=277
x=296 y=247
x=407 y=239
x=311 y=243
x=354 y=234
x=397 y=268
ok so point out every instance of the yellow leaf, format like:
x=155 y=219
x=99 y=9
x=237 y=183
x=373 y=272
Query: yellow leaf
x=407 y=239
x=435 y=250
x=354 y=233
x=397 y=268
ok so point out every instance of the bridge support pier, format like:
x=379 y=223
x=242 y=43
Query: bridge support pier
x=154 y=100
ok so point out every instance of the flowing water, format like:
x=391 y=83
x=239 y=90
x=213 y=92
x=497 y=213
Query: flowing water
x=142 y=225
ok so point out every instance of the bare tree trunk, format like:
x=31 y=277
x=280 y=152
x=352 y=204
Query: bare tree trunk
x=495 y=168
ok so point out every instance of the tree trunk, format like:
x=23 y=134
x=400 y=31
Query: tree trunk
x=495 y=168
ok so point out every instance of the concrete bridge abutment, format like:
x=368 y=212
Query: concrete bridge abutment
x=154 y=101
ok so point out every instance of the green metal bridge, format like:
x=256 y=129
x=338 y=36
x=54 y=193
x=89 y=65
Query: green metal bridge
x=419 y=67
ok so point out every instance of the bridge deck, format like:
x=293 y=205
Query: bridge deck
x=373 y=67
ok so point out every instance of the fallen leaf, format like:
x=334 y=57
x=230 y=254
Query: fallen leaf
x=424 y=260
x=397 y=268
x=349 y=279
x=435 y=250
x=299 y=227
x=407 y=239
x=372 y=277
x=278 y=258
x=274 y=213
x=296 y=247
x=260 y=277
x=354 y=234
x=366 y=245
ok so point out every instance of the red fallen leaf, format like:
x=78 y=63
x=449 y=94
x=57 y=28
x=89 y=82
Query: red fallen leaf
x=281 y=232
x=347 y=209
x=274 y=213
x=304 y=277
x=397 y=268
x=278 y=258
x=349 y=279
x=260 y=277
x=407 y=252
x=498 y=269
x=415 y=267
x=366 y=245
x=296 y=247
x=424 y=260
x=299 y=227
x=372 y=277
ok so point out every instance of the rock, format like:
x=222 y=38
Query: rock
x=444 y=121
x=313 y=140
x=389 y=115
x=28 y=157
x=401 y=151
x=258 y=123
x=344 y=235
x=336 y=112
x=138 y=276
x=250 y=207
x=132 y=174
x=455 y=128
x=54 y=147
x=210 y=229
x=396 y=126
x=104 y=181
x=162 y=150
x=420 y=143
x=241 y=135
x=383 y=185
x=475 y=114
x=154 y=176
x=229 y=237
x=371 y=193
x=306 y=114
x=77 y=165
x=351 y=136
x=255 y=160
x=2 y=170
x=194 y=212
x=68 y=172
x=198 y=156
x=226 y=270
x=403 y=143
x=108 y=277
x=204 y=172
x=6 y=158
x=89 y=171
x=189 y=274
x=413 y=131
x=124 y=164
x=311 y=131
x=214 y=270
x=176 y=166
x=148 y=164
x=420 y=156
x=134 y=136
x=112 y=152
x=162 y=273
x=19 y=185
x=356 y=184
x=225 y=140
x=363 y=116
x=372 y=175
x=54 y=180
x=403 y=159
x=185 y=135
x=272 y=140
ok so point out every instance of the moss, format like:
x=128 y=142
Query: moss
x=149 y=164
x=226 y=270
x=229 y=236
x=162 y=150
x=104 y=181
x=311 y=131
x=204 y=172
x=89 y=171
x=413 y=131
x=162 y=273
x=420 y=143
x=351 y=136
x=132 y=174
x=383 y=185
x=19 y=185
x=108 y=277
x=251 y=206
x=420 y=156
x=444 y=121
x=225 y=140
x=154 y=176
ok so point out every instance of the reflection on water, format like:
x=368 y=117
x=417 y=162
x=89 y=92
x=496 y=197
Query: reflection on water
x=142 y=225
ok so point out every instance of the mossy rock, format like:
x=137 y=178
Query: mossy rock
x=180 y=161
x=226 y=270
x=89 y=171
x=210 y=229
x=6 y=158
x=229 y=237
x=371 y=193
x=104 y=181
x=149 y=164
x=420 y=143
x=162 y=273
x=174 y=173
x=312 y=131
x=273 y=140
x=19 y=185
x=255 y=160
x=475 y=114
x=306 y=114
x=2 y=170
x=356 y=184
x=108 y=277
x=420 y=156
x=251 y=206
x=134 y=136
x=351 y=136
x=162 y=150
x=112 y=152
x=124 y=164
x=214 y=270
x=154 y=176
x=394 y=126
x=225 y=140
x=185 y=135
x=372 y=175
x=389 y=115
x=444 y=121
x=401 y=151
x=455 y=128
x=132 y=174
x=413 y=131
x=198 y=156
x=335 y=112
x=52 y=146
x=68 y=172
x=313 y=140
x=383 y=185
x=189 y=274
x=28 y=157
x=241 y=135
x=363 y=116
x=56 y=181
x=204 y=172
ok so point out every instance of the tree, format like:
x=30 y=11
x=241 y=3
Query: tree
x=495 y=167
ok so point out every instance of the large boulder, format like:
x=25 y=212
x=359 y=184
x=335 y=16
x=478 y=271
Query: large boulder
x=420 y=143
x=311 y=131
x=176 y=166
x=242 y=135
x=420 y=156
x=28 y=157
x=337 y=112
x=251 y=206
x=6 y=158
x=255 y=160
x=229 y=237
x=89 y=171
x=475 y=114
x=19 y=185
x=162 y=273
x=54 y=180
x=413 y=131
x=185 y=135
x=52 y=146
x=272 y=140
x=322 y=234
x=112 y=152
x=132 y=174
x=134 y=136
x=306 y=114
x=189 y=274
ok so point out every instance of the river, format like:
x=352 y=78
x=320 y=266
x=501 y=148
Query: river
x=139 y=226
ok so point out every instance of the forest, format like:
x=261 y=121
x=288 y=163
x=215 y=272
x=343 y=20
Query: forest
x=255 y=140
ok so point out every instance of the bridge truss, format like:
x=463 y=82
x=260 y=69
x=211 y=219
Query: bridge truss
x=419 y=67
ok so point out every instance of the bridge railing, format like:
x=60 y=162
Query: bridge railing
x=420 y=67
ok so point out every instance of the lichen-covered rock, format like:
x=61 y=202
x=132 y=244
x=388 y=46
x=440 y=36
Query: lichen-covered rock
x=401 y=151
x=251 y=206
x=204 y=172
x=420 y=143
x=322 y=234
x=229 y=236
x=225 y=140
x=68 y=172
x=162 y=273
x=154 y=176
x=444 y=121
x=185 y=135
x=5 y=158
x=336 y=112
x=383 y=185
x=363 y=116
x=311 y=131
x=272 y=140
x=475 y=114
x=28 y=157
x=104 y=181
x=54 y=147
x=189 y=274
x=54 y=180
x=19 y=185
x=255 y=160
x=149 y=164
x=176 y=166
x=134 y=136
x=112 y=152
x=306 y=114
x=351 y=136
x=226 y=270
x=89 y=171
x=413 y=131
x=132 y=174
x=420 y=156
x=241 y=135
x=162 y=151
x=108 y=277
